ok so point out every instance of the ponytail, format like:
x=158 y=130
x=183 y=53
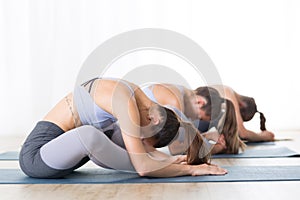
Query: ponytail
x=262 y=121
x=248 y=109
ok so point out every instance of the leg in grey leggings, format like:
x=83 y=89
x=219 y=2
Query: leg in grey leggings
x=70 y=148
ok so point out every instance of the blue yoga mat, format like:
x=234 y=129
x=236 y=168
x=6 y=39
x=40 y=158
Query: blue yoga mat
x=267 y=143
x=249 y=153
x=9 y=155
x=103 y=176
x=259 y=143
x=261 y=153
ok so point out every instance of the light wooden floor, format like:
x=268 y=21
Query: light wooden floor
x=238 y=190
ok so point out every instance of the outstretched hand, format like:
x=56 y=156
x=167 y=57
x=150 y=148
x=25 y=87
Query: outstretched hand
x=267 y=136
x=206 y=169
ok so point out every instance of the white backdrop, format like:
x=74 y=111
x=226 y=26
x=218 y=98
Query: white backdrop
x=255 y=46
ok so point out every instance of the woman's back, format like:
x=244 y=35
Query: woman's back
x=101 y=94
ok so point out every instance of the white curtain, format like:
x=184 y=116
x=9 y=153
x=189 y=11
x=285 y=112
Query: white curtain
x=254 y=44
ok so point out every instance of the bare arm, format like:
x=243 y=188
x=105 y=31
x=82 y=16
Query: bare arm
x=256 y=137
x=129 y=120
x=243 y=132
x=159 y=155
x=167 y=94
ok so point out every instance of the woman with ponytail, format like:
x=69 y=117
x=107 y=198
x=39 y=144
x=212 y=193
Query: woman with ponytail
x=81 y=127
x=245 y=108
x=202 y=107
x=226 y=137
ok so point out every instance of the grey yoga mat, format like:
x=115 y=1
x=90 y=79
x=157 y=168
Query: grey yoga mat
x=267 y=143
x=273 y=152
x=259 y=143
x=103 y=176
x=9 y=155
x=261 y=153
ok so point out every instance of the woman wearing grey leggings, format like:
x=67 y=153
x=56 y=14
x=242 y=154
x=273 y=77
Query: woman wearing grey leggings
x=85 y=125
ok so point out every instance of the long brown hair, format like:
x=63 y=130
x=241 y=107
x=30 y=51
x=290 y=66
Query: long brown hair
x=229 y=128
x=198 y=151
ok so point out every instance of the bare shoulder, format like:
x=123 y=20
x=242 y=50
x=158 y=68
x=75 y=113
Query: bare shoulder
x=224 y=90
x=168 y=89
x=109 y=94
x=167 y=94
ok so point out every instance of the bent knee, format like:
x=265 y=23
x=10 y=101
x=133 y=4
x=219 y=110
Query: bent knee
x=91 y=137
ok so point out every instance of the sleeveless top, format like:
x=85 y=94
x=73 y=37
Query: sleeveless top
x=92 y=114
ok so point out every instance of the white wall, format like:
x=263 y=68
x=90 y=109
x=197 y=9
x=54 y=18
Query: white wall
x=254 y=44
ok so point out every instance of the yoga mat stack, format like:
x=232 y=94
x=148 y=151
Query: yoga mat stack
x=105 y=176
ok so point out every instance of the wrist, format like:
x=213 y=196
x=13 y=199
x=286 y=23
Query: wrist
x=190 y=169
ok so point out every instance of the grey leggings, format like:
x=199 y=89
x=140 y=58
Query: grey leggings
x=48 y=152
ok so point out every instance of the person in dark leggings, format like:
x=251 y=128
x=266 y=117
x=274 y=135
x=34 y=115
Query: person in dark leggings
x=84 y=125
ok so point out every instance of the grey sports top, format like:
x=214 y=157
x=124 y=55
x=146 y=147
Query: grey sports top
x=149 y=92
x=91 y=114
